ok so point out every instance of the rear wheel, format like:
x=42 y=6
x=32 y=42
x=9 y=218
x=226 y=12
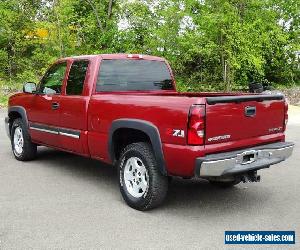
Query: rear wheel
x=141 y=184
x=22 y=147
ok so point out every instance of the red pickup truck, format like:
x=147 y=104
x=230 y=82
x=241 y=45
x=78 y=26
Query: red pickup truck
x=124 y=110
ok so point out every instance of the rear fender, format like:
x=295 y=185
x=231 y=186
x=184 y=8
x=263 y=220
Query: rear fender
x=146 y=127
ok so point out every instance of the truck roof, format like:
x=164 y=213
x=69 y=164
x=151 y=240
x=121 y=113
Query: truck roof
x=117 y=56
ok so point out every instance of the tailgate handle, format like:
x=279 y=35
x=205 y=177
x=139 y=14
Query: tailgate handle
x=250 y=111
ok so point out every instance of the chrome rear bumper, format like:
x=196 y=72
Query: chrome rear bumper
x=242 y=161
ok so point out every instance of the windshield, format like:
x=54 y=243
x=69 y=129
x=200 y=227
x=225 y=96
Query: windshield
x=130 y=75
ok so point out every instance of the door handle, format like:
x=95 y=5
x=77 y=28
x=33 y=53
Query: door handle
x=250 y=111
x=55 y=105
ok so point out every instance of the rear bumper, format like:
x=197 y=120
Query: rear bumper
x=6 y=121
x=241 y=161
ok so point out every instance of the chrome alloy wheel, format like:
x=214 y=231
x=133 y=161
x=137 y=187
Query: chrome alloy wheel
x=18 y=141
x=136 y=177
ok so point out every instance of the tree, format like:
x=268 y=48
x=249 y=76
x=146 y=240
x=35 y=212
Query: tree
x=211 y=44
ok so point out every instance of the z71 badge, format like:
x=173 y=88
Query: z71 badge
x=175 y=132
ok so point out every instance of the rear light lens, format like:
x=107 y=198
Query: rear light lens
x=196 y=125
x=286 y=116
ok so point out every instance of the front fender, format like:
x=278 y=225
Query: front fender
x=20 y=110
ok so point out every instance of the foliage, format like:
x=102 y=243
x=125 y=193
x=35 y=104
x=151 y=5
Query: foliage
x=3 y=100
x=211 y=44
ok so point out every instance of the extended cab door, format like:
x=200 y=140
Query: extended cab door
x=73 y=108
x=43 y=113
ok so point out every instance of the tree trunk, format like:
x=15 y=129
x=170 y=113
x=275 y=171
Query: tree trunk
x=226 y=71
x=9 y=50
x=100 y=26
x=109 y=12
x=61 y=45
x=223 y=60
x=228 y=75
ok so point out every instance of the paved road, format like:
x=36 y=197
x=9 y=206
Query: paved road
x=61 y=201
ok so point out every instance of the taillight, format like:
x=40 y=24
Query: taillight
x=196 y=125
x=286 y=116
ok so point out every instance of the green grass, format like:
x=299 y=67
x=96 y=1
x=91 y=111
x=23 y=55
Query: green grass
x=3 y=100
x=6 y=90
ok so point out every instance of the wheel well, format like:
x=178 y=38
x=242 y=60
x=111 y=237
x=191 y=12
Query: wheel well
x=125 y=136
x=13 y=115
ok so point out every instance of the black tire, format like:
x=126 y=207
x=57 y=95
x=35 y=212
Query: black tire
x=225 y=184
x=29 y=149
x=157 y=184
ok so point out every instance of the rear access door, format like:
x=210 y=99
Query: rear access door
x=73 y=108
x=232 y=118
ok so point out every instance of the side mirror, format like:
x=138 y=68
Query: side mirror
x=29 y=87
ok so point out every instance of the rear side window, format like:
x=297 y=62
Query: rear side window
x=76 y=77
x=123 y=75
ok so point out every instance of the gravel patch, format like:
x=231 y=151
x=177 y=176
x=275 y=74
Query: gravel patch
x=293 y=95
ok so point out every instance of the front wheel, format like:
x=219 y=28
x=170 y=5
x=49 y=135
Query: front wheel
x=141 y=184
x=22 y=147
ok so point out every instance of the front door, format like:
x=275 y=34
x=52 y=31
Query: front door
x=43 y=113
x=73 y=109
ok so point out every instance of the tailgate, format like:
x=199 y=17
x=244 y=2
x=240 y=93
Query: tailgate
x=231 y=118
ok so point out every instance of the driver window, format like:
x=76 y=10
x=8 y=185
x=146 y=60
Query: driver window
x=52 y=81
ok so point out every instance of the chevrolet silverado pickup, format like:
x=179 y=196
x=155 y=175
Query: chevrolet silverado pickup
x=123 y=109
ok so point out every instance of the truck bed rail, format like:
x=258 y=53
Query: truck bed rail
x=242 y=98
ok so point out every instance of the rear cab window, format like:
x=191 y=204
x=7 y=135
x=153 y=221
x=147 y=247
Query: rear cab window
x=133 y=75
